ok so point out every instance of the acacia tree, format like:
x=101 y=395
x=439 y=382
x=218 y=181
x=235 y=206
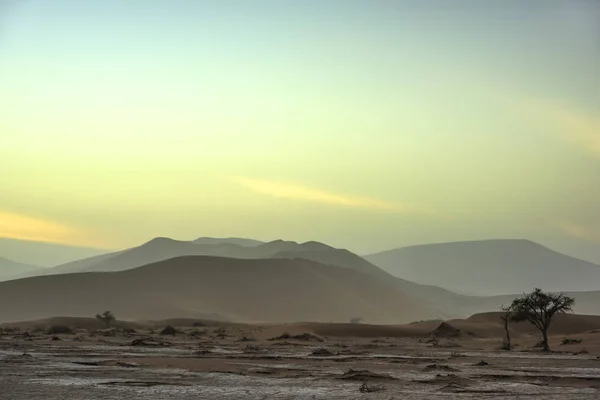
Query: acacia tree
x=539 y=308
x=107 y=317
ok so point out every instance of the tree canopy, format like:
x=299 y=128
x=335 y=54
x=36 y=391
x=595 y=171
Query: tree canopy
x=107 y=317
x=539 y=307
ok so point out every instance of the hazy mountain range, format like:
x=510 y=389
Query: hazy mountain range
x=400 y=285
x=490 y=267
x=43 y=254
x=10 y=269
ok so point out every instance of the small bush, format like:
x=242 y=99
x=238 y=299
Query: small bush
x=220 y=333
x=169 y=330
x=59 y=329
x=252 y=349
x=283 y=336
x=107 y=318
x=301 y=336
x=571 y=341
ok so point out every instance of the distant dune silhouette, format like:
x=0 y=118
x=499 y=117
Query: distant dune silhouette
x=423 y=273
x=264 y=290
x=490 y=267
x=159 y=249
x=11 y=269
x=238 y=241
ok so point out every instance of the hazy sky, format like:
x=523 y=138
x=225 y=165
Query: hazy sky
x=365 y=124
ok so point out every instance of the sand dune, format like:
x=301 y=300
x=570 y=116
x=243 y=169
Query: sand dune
x=445 y=303
x=162 y=248
x=239 y=290
x=490 y=267
x=159 y=249
x=484 y=325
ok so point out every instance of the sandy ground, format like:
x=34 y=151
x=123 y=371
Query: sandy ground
x=248 y=362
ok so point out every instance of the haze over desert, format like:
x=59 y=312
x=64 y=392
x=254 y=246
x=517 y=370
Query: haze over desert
x=276 y=199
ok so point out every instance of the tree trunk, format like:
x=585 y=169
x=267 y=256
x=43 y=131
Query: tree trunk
x=545 y=342
x=507 y=345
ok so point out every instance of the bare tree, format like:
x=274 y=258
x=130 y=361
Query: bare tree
x=107 y=317
x=507 y=316
x=539 y=308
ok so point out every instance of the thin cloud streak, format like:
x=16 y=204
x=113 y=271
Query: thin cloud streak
x=296 y=192
x=578 y=231
x=24 y=227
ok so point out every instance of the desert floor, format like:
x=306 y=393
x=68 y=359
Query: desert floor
x=213 y=361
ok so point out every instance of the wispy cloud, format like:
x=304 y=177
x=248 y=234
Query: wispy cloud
x=24 y=227
x=297 y=192
x=578 y=231
x=575 y=126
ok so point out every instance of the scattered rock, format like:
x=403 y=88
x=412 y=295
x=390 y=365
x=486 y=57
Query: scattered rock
x=288 y=343
x=368 y=388
x=284 y=336
x=169 y=330
x=452 y=387
x=87 y=363
x=127 y=365
x=197 y=332
x=301 y=336
x=252 y=349
x=481 y=364
x=438 y=367
x=150 y=342
x=445 y=330
x=363 y=375
x=264 y=371
x=307 y=336
x=322 y=352
x=219 y=333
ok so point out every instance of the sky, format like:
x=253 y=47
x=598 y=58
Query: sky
x=366 y=124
